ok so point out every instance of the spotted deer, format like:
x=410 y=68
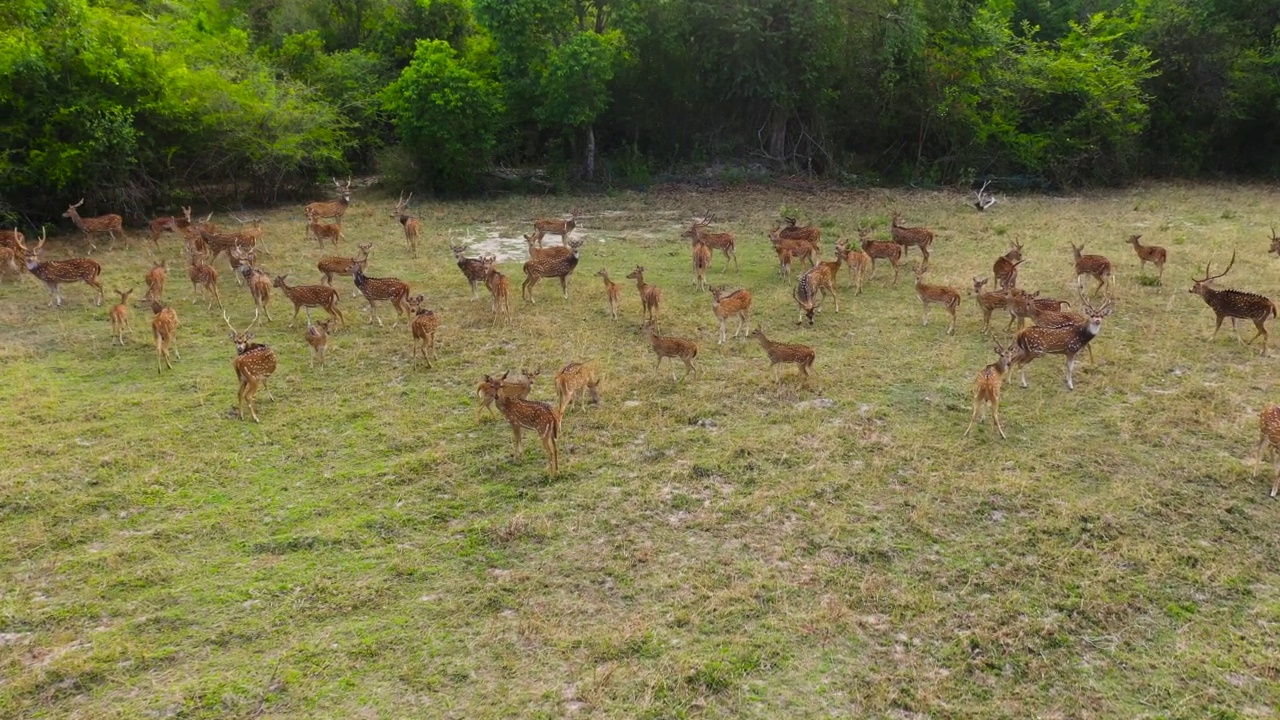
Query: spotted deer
x=548 y=226
x=701 y=261
x=376 y=289
x=612 y=292
x=473 y=269
x=1046 y=313
x=815 y=284
x=536 y=269
x=9 y=261
x=241 y=262
x=1269 y=420
x=119 y=315
x=324 y=231
x=109 y=224
x=572 y=380
x=330 y=266
x=219 y=242
x=166 y=223
x=424 y=326
x=802 y=355
x=317 y=336
x=986 y=388
x=412 y=225
x=650 y=295
x=672 y=347
x=254 y=364
x=724 y=242
x=1005 y=268
x=791 y=249
x=1096 y=266
x=784 y=262
x=254 y=231
x=858 y=262
x=1036 y=342
x=811 y=234
x=12 y=239
x=909 y=237
x=1236 y=305
x=880 y=250
x=499 y=289
x=164 y=327
x=491 y=387
x=731 y=304
x=57 y=272
x=258 y=282
x=202 y=276
x=334 y=208
x=1150 y=254
x=536 y=416
x=534 y=242
x=155 y=280
x=988 y=302
x=310 y=296
x=943 y=295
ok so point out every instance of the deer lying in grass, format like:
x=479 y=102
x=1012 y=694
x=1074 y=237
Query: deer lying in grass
x=538 y=268
x=412 y=226
x=254 y=364
x=1150 y=254
x=109 y=224
x=723 y=242
x=1038 y=341
x=880 y=250
x=988 y=384
x=1269 y=419
x=612 y=292
x=57 y=272
x=1096 y=266
x=731 y=304
x=911 y=237
x=317 y=336
x=536 y=416
x=376 y=289
x=571 y=380
x=1236 y=305
x=650 y=295
x=330 y=266
x=155 y=279
x=164 y=327
x=202 y=276
x=473 y=269
x=672 y=347
x=1005 y=268
x=491 y=387
x=943 y=295
x=310 y=296
x=119 y=315
x=802 y=355
x=424 y=326
x=499 y=289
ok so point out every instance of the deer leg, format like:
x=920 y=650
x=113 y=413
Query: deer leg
x=1275 y=484
x=1022 y=373
x=1262 y=446
x=924 y=316
x=742 y=322
x=1235 y=327
x=1216 y=328
x=951 y=329
x=1160 y=276
x=515 y=428
x=722 y=331
x=977 y=407
x=895 y=274
x=995 y=415
x=549 y=444
x=689 y=368
x=564 y=286
x=1071 y=364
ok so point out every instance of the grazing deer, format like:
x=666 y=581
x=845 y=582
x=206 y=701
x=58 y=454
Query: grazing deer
x=119 y=315
x=731 y=304
x=536 y=416
x=424 y=326
x=1236 y=305
x=499 y=289
x=571 y=380
x=911 y=236
x=815 y=284
x=412 y=226
x=858 y=262
x=202 y=276
x=56 y=272
x=1005 y=268
x=155 y=279
x=536 y=269
x=1270 y=422
x=164 y=326
x=983 y=199
x=375 y=289
x=723 y=242
x=334 y=208
x=672 y=347
x=330 y=266
x=986 y=389
x=254 y=364
x=808 y=297
x=611 y=291
x=650 y=295
x=1096 y=266
x=546 y=226
x=943 y=295
x=701 y=261
x=109 y=224
x=309 y=296
x=988 y=302
x=473 y=269
x=317 y=336
x=1038 y=341
x=324 y=231
x=492 y=387
x=880 y=250
x=1150 y=254
x=534 y=241
x=801 y=355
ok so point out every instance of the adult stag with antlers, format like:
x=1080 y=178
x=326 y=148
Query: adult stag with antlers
x=1235 y=304
x=56 y=272
x=334 y=209
x=254 y=364
x=412 y=225
x=109 y=224
x=1005 y=268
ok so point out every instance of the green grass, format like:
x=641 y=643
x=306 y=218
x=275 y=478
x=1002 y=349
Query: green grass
x=720 y=547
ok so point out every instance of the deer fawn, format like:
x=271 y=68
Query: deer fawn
x=571 y=380
x=423 y=327
x=1150 y=254
x=701 y=261
x=412 y=226
x=164 y=326
x=731 y=304
x=1270 y=421
x=317 y=336
x=56 y=272
x=943 y=295
x=723 y=242
x=650 y=295
x=672 y=347
x=1235 y=304
x=546 y=226
x=538 y=268
x=375 y=289
x=473 y=269
x=330 y=266
x=880 y=250
x=858 y=262
x=499 y=289
x=789 y=249
x=506 y=386
x=202 y=276
x=987 y=387
x=335 y=208
x=109 y=224
x=120 y=316
x=911 y=237
x=309 y=296
x=536 y=416
x=1035 y=342
x=611 y=291
x=324 y=231
x=1005 y=268
x=254 y=364
x=801 y=355
x=784 y=262
x=1096 y=266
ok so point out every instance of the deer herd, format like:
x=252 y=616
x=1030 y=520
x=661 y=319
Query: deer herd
x=1053 y=330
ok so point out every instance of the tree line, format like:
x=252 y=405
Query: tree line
x=137 y=104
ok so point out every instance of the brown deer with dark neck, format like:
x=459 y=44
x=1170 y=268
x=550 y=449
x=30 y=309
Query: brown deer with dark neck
x=1236 y=305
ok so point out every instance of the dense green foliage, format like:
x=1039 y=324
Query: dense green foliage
x=135 y=103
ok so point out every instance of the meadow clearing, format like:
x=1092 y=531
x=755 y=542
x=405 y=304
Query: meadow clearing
x=719 y=547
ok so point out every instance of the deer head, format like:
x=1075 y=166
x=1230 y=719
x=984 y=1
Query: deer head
x=241 y=338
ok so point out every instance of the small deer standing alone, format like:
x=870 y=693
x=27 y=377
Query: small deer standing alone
x=943 y=295
x=611 y=291
x=572 y=380
x=412 y=225
x=164 y=326
x=120 y=316
x=672 y=347
x=987 y=387
x=254 y=364
x=911 y=236
x=802 y=355
x=317 y=336
x=1149 y=254
x=424 y=326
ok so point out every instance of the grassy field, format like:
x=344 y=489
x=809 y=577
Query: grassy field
x=721 y=547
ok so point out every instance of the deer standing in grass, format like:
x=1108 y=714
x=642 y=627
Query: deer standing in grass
x=1045 y=313
x=317 y=336
x=164 y=326
x=109 y=224
x=202 y=276
x=911 y=237
x=155 y=279
x=988 y=302
x=701 y=262
x=167 y=223
x=491 y=387
x=334 y=208
x=986 y=389
x=789 y=250
x=376 y=289
x=815 y=285
x=724 y=242
x=424 y=326
x=254 y=364
x=538 y=268
x=499 y=289
x=572 y=380
x=56 y=272
x=241 y=262
x=310 y=296
x=9 y=261
x=1038 y=341
x=120 y=316
x=412 y=225
x=550 y=226
x=324 y=231
x=1236 y=305
x=880 y=250
x=811 y=234
x=1149 y=254
x=858 y=262
x=802 y=355
x=258 y=282
x=473 y=269
x=672 y=347
x=1269 y=419
x=219 y=242
x=943 y=295
x=1095 y=266
x=650 y=295
x=612 y=292
x=254 y=231
x=731 y=304
x=536 y=416
x=1005 y=268
x=330 y=266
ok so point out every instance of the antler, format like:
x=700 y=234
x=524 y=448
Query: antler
x=79 y=203
x=42 y=238
x=239 y=219
x=1215 y=277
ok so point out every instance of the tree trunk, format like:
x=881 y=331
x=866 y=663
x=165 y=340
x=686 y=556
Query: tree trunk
x=591 y=154
x=778 y=136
